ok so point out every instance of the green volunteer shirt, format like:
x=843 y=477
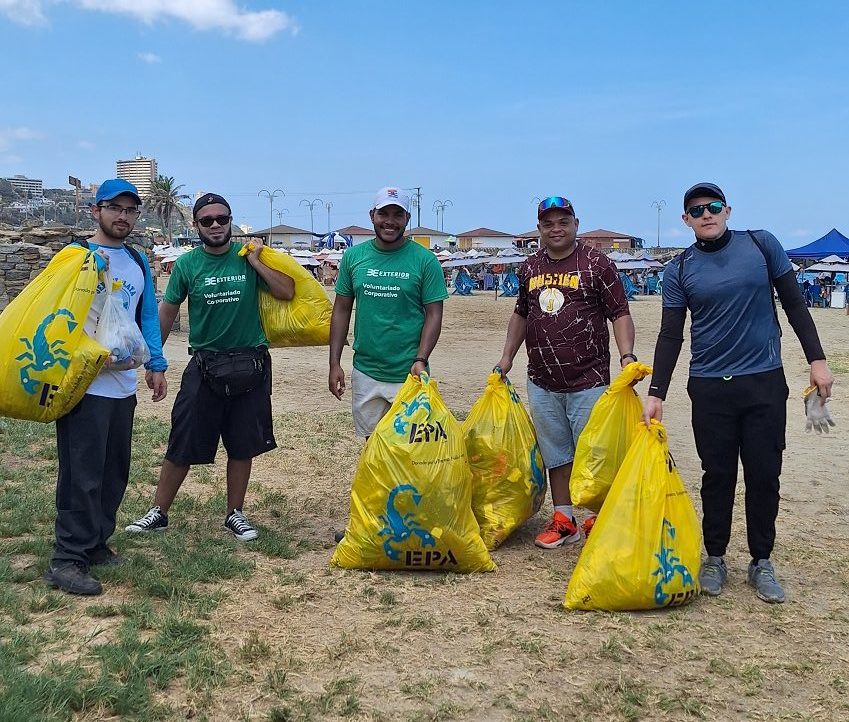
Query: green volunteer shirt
x=223 y=299
x=390 y=290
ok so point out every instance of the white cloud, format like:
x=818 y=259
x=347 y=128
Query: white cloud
x=200 y=14
x=23 y=12
x=10 y=136
x=149 y=58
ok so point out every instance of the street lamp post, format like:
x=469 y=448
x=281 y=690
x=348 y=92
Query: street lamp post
x=659 y=205
x=311 y=205
x=280 y=213
x=439 y=207
x=328 y=206
x=271 y=196
x=536 y=200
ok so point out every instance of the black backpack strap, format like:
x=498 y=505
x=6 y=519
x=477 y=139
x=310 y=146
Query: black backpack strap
x=769 y=277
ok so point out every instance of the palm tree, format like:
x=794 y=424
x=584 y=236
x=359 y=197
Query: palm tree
x=164 y=202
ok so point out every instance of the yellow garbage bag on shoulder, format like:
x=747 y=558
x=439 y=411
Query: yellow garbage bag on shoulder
x=46 y=360
x=606 y=438
x=508 y=475
x=303 y=321
x=645 y=548
x=411 y=498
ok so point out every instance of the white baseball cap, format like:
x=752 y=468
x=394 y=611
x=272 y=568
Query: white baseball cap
x=391 y=196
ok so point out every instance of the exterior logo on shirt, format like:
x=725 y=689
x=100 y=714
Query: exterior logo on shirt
x=551 y=300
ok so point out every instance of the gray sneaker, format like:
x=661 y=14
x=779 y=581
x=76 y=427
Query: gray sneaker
x=712 y=576
x=72 y=577
x=762 y=578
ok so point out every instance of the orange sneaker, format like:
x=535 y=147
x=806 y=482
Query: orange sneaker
x=587 y=526
x=557 y=532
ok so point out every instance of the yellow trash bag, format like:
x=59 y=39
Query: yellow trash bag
x=303 y=321
x=606 y=438
x=508 y=475
x=645 y=548
x=411 y=499
x=46 y=360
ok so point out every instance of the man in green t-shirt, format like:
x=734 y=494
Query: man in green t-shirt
x=399 y=288
x=225 y=392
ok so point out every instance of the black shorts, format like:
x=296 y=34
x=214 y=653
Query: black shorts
x=200 y=418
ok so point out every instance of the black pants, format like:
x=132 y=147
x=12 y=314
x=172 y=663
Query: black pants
x=745 y=417
x=93 y=443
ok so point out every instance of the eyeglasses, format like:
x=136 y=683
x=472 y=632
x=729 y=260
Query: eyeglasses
x=554 y=202
x=120 y=210
x=698 y=211
x=209 y=220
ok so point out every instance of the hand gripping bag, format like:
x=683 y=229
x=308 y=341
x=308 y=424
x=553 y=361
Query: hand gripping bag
x=303 y=321
x=606 y=438
x=645 y=548
x=46 y=360
x=508 y=475
x=411 y=498
x=118 y=333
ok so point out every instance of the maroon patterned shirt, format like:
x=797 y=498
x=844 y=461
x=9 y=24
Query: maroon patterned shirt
x=567 y=304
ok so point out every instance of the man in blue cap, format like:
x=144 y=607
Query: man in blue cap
x=94 y=438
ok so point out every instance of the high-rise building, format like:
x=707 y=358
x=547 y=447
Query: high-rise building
x=30 y=188
x=139 y=171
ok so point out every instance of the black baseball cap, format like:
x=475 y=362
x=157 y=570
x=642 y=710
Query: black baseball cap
x=708 y=190
x=207 y=199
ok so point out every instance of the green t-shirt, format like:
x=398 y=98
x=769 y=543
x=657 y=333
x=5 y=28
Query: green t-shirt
x=223 y=299
x=391 y=289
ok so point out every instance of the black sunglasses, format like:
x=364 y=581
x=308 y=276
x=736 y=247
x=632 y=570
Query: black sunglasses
x=209 y=220
x=698 y=211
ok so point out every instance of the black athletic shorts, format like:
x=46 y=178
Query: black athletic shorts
x=200 y=418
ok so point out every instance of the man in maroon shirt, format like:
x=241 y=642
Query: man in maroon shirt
x=567 y=294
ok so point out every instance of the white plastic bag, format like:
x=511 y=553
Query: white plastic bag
x=118 y=333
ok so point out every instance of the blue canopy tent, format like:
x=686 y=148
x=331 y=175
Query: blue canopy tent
x=335 y=240
x=833 y=243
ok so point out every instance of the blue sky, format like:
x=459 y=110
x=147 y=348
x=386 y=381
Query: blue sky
x=488 y=104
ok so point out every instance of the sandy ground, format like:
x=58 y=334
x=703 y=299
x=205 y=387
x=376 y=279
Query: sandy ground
x=500 y=646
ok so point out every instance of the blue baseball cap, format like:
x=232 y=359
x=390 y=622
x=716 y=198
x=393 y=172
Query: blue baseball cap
x=115 y=187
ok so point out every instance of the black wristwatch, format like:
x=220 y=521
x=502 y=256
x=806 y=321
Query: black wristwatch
x=627 y=355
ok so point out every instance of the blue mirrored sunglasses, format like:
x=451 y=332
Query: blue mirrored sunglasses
x=554 y=202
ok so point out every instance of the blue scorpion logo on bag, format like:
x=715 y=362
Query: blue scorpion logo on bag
x=399 y=528
x=402 y=418
x=537 y=478
x=669 y=566
x=43 y=353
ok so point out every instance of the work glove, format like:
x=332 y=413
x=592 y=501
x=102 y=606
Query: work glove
x=817 y=415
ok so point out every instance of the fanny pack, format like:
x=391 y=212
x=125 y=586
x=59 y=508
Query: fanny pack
x=234 y=372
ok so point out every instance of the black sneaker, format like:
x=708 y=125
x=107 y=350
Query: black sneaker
x=72 y=577
x=240 y=526
x=104 y=556
x=154 y=520
x=338 y=536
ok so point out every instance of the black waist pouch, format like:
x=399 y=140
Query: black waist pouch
x=234 y=372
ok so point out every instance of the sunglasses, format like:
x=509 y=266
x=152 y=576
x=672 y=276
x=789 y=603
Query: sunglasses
x=554 y=202
x=698 y=211
x=209 y=220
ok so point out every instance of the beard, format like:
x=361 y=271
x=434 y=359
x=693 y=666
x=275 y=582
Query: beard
x=212 y=243
x=110 y=232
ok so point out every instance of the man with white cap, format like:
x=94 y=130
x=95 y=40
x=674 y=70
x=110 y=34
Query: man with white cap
x=399 y=287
